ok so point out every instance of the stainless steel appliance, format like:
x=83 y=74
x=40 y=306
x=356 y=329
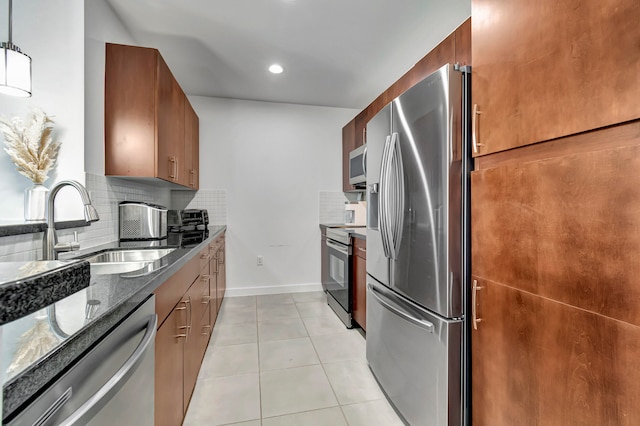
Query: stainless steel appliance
x=188 y=227
x=113 y=384
x=358 y=166
x=142 y=221
x=417 y=248
x=337 y=273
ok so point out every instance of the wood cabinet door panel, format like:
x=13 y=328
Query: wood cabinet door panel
x=540 y=362
x=169 y=358
x=360 y=291
x=170 y=159
x=222 y=275
x=213 y=290
x=546 y=69
x=565 y=228
x=130 y=110
x=191 y=145
x=348 y=145
x=174 y=288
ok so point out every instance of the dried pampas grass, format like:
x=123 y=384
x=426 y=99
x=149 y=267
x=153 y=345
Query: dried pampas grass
x=31 y=148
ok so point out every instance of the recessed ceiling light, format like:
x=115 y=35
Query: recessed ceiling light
x=276 y=69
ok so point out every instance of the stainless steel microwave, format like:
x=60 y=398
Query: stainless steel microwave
x=358 y=166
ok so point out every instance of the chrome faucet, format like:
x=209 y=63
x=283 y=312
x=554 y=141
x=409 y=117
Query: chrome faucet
x=50 y=245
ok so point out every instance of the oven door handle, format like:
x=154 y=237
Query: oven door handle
x=337 y=247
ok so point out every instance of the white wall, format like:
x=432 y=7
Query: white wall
x=273 y=160
x=101 y=25
x=52 y=33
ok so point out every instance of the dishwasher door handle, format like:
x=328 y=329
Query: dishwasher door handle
x=104 y=394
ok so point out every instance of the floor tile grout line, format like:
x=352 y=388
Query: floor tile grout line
x=321 y=363
x=259 y=363
x=327 y=376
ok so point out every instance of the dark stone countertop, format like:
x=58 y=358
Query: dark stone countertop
x=115 y=297
x=8 y=227
x=26 y=287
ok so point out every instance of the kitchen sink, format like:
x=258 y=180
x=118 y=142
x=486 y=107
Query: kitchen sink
x=133 y=262
x=129 y=255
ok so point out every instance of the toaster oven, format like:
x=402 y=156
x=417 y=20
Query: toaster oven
x=142 y=221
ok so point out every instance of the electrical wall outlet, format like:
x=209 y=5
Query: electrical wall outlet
x=259 y=260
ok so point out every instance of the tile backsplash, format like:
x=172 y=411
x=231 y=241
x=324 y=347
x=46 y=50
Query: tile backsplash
x=332 y=206
x=214 y=200
x=106 y=193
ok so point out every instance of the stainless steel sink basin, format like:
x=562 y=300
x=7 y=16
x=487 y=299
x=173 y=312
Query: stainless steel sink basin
x=135 y=262
x=129 y=255
x=116 y=267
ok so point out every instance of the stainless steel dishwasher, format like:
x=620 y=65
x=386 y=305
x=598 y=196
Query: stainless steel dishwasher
x=112 y=384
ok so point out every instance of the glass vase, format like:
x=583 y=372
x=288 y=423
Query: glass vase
x=35 y=203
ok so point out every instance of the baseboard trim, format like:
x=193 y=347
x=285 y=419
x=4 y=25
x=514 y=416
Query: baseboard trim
x=276 y=289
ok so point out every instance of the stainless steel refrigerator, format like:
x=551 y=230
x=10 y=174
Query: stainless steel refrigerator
x=417 y=187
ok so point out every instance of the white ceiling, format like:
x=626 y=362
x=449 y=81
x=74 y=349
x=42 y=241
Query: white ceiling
x=340 y=53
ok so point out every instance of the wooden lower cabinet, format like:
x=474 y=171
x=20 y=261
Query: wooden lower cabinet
x=183 y=336
x=222 y=274
x=197 y=299
x=218 y=274
x=360 y=283
x=169 y=353
x=536 y=361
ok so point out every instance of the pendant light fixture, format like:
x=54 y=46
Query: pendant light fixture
x=15 y=66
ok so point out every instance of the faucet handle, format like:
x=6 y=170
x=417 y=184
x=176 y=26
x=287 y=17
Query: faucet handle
x=74 y=245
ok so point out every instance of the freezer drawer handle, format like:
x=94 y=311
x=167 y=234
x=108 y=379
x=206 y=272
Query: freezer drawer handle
x=419 y=322
x=104 y=394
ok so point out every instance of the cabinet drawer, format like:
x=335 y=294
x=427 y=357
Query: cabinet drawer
x=360 y=247
x=172 y=290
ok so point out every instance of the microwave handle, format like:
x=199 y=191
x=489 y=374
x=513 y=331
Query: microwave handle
x=364 y=161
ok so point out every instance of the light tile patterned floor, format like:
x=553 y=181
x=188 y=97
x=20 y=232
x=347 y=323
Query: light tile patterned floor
x=286 y=359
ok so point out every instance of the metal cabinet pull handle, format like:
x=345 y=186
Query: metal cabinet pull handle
x=174 y=169
x=190 y=313
x=474 y=128
x=474 y=307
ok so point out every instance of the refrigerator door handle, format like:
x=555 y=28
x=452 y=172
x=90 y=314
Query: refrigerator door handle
x=396 y=309
x=397 y=220
x=383 y=205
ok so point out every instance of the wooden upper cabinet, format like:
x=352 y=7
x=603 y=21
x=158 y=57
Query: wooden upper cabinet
x=170 y=125
x=146 y=114
x=191 y=146
x=546 y=69
x=348 y=145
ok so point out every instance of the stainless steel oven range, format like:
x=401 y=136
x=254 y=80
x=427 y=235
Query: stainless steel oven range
x=337 y=271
